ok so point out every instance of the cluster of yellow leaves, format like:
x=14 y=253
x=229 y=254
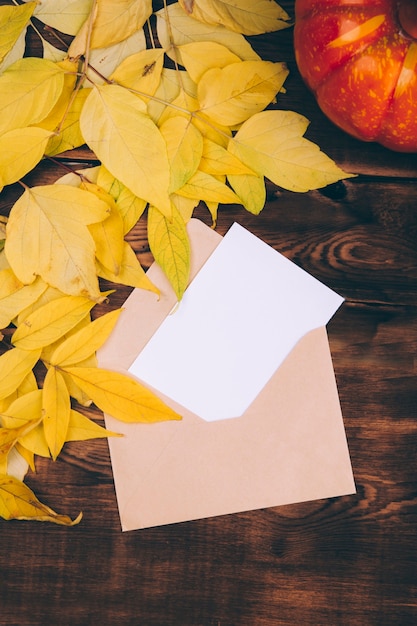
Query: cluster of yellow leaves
x=173 y=124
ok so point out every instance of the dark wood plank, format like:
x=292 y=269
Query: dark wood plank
x=347 y=561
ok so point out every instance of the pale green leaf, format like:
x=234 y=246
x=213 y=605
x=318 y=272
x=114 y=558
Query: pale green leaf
x=56 y=411
x=17 y=501
x=231 y=95
x=116 y=126
x=50 y=322
x=21 y=149
x=170 y=246
x=250 y=17
x=15 y=365
x=121 y=396
x=47 y=236
x=13 y=20
x=29 y=90
x=272 y=144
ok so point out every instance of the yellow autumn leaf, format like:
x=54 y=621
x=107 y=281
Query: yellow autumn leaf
x=85 y=342
x=121 y=396
x=58 y=112
x=10 y=436
x=116 y=20
x=170 y=246
x=205 y=187
x=51 y=53
x=141 y=72
x=272 y=144
x=250 y=189
x=21 y=149
x=15 y=296
x=234 y=93
x=176 y=28
x=49 y=294
x=217 y=161
x=28 y=384
x=106 y=60
x=130 y=207
x=50 y=322
x=82 y=428
x=197 y=57
x=68 y=135
x=131 y=273
x=29 y=90
x=107 y=234
x=116 y=126
x=185 y=104
x=23 y=409
x=19 y=461
x=47 y=236
x=13 y=19
x=17 y=501
x=169 y=88
x=56 y=408
x=15 y=365
x=67 y=16
x=185 y=148
x=250 y=17
x=184 y=206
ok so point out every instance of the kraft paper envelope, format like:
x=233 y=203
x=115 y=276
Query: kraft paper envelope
x=288 y=445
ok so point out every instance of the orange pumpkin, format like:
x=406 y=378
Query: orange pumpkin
x=359 y=57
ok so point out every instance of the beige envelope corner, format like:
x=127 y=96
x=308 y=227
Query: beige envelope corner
x=289 y=446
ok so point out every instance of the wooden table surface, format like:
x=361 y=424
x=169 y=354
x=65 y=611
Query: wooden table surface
x=348 y=561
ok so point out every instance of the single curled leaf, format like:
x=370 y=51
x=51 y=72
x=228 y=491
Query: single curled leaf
x=17 y=501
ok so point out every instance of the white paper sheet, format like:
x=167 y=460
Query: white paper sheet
x=238 y=320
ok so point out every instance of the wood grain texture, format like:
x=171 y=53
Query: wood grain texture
x=349 y=561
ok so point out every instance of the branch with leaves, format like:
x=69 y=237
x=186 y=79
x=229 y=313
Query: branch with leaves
x=173 y=104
